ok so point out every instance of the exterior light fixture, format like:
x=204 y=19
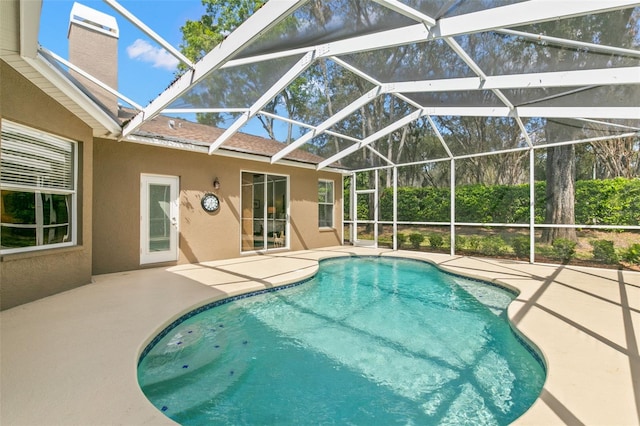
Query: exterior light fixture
x=216 y=183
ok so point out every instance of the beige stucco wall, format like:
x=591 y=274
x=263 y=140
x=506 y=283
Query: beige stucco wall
x=30 y=276
x=203 y=236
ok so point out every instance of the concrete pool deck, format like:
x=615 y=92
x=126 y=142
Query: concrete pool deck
x=70 y=359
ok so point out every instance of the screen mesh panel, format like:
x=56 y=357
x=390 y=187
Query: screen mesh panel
x=420 y=61
x=319 y=22
x=235 y=87
x=374 y=116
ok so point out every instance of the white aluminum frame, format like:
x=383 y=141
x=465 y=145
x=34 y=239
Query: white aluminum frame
x=500 y=19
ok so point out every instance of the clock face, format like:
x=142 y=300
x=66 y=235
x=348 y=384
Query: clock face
x=210 y=203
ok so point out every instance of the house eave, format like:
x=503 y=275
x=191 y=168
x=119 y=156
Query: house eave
x=223 y=152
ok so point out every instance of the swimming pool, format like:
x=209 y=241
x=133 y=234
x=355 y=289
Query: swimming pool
x=367 y=340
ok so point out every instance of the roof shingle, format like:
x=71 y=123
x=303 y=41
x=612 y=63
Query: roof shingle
x=181 y=130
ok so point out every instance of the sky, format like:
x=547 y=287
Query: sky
x=144 y=68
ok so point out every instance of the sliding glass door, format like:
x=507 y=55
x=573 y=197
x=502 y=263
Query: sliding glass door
x=265 y=208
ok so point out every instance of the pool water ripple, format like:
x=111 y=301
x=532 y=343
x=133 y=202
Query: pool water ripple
x=366 y=341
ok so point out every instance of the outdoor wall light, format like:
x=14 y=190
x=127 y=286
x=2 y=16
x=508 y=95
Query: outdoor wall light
x=216 y=183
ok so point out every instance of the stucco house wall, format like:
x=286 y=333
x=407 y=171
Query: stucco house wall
x=29 y=276
x=203 y=236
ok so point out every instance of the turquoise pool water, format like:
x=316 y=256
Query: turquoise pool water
x=367 y=341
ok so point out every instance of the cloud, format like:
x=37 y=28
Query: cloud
x=157 y=56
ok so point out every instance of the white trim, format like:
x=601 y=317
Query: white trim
x=29 y=26
x=452 y=206
x=462 y=54
x=60 y=81
x=73 y=220
x=439 y=136
x=203 y=110
x=287 y=231
x=266 y=97
x=356 y=71
x=343 y=113
x=148 y=31
x=93 y=20
x=170 y=255
x=332 y=203
x=407 y=11
x=399 y=36
x=607 y=76
x=90 y=77
x=519 y=14
x=631 y=113
x=223 y=152
x=532 y=206
x=286 y=120
x=263 y=19
x=572 y=43
x=372 y=138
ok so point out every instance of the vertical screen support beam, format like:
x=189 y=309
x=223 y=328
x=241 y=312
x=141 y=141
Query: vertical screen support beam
x=452 y=196
x=395 y=208
x=532 y=205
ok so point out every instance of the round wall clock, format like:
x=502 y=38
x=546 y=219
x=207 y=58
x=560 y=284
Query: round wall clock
x=210 y=203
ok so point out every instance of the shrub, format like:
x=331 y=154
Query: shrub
x=493 y=246
x=608 y=201
x=436 y=240
x=564 y=248
x=474 y=243
x=416 y=238
x=401 y=238
x=461 y=241
x=603 y=251
x=521 y=246
x=632 y=254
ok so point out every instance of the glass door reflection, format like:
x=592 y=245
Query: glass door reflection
x=265 y=204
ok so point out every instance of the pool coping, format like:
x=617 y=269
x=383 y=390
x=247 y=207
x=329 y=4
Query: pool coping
x=71 y=358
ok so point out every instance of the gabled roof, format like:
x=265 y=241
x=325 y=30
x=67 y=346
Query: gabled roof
x=184 y=131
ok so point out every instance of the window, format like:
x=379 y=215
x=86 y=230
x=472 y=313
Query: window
x=265 y=205
x=38 y=190
x=325 y=203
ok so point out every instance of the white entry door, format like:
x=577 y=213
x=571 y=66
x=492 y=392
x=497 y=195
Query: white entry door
x=159 y=207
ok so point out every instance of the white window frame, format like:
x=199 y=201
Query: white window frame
x=172 y=254
x=286 y=241
x=332 y=203
x=37 y=190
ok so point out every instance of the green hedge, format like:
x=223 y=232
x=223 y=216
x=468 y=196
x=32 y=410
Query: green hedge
x=610 y=201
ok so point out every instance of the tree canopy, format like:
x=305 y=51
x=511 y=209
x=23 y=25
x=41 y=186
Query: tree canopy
x=327 y=86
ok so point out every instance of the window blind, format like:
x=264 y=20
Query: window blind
x=36 y=159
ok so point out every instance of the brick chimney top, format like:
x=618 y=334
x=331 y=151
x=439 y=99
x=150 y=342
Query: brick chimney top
x=94 y=20
x=93 y=47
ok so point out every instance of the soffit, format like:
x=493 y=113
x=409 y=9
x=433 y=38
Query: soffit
x=40 y=72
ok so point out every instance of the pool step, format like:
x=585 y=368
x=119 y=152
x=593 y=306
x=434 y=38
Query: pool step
x=193 y=357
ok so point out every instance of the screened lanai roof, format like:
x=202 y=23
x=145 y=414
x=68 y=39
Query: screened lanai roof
x=370 y=70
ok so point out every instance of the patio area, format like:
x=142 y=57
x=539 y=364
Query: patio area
x=71 y=358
